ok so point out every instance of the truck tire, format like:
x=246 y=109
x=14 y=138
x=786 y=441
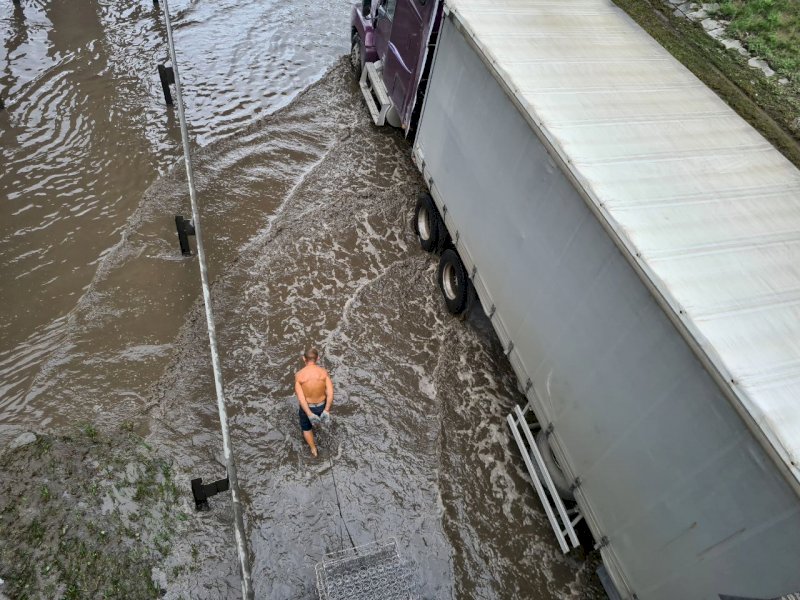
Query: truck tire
x=556 y=474
x=453 y=282
x=356 y=54
x=429 y=225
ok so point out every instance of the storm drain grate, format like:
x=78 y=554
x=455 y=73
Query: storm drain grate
x=365 y=572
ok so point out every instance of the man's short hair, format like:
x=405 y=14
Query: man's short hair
x=311 y=354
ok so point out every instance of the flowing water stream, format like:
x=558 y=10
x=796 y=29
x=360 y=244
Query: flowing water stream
x=306 y=216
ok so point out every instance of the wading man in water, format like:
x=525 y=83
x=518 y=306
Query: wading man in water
x=314 y=390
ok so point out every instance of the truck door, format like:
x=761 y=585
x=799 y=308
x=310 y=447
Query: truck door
x=384 y=18
x=400 y=42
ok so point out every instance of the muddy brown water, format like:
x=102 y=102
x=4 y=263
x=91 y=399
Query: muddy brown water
x=306 y=217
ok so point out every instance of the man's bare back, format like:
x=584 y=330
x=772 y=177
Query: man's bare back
x=314 y=390
x=313 y=380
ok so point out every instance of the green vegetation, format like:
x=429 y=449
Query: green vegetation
x=88 y=516
x=769 y=28
x=90 y=432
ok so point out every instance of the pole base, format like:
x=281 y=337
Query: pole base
x=202 y=492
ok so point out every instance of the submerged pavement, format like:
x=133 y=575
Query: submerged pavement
x=420 y=450
x=306 y=217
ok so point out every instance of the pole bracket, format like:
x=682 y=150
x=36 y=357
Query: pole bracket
x=167 y=77
x=202 y=492
x=185 y=229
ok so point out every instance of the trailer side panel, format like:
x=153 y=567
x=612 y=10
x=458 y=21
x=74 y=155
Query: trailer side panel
x=691 y=505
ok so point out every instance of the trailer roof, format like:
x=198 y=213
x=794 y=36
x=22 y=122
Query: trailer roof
x=705 y=206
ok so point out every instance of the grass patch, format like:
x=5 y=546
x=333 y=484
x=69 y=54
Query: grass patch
x=88 y=516
x=90 y=432
x=769 y=28
x=43 y=446
x=36 y=532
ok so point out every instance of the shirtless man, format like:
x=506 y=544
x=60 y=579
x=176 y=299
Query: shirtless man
x=314 y=390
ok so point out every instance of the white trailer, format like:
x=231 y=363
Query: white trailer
x=636 y=245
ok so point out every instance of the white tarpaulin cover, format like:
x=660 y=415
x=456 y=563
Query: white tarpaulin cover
x=705 y=205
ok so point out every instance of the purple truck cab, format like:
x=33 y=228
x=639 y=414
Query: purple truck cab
x=391 y=49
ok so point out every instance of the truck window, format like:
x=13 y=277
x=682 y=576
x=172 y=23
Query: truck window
x=386 y=9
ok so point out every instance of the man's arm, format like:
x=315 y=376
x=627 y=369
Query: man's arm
x=328 y=392
x=301 y=397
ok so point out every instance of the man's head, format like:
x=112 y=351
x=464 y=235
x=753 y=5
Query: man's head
x=311 y=355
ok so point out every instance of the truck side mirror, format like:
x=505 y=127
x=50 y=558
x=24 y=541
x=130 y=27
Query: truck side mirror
x=382 y=12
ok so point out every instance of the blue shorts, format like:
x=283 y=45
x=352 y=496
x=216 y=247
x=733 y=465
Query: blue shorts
x=305 y=422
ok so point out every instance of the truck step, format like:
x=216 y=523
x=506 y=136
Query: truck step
x=376 y=95
x=562 y=520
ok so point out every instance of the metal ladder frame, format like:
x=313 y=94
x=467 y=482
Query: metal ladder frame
x=562 y=520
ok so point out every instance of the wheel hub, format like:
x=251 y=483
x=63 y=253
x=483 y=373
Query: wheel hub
x=450 y=282
x=423 y=224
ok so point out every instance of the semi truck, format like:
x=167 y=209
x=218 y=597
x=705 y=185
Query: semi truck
x=636 y=246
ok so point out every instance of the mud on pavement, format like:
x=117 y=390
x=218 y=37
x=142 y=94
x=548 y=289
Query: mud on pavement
x=87 y=515
x=306 y=219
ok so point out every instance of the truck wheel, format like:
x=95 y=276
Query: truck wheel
x=429 y=224
x=453 y=282
x=356 y=60
x=556 y=474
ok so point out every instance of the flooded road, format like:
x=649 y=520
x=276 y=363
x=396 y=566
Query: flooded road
x=85 y=132
x=306 y=217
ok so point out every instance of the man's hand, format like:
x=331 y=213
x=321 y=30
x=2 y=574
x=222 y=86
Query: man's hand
x=315 y=420
x=326 y=417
